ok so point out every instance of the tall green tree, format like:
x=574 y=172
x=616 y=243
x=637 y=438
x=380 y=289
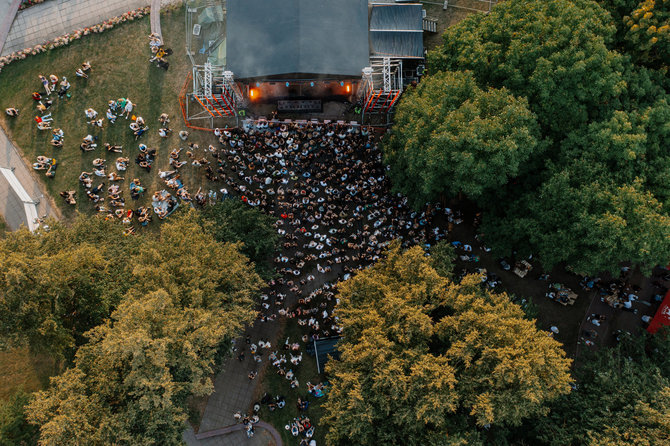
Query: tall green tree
x=189 y=297
x=552 y=52
x=57 y=284
x=648 y=32
x=442 y=259
x=14 y=428
x=425 y=361
x=450 y=136
x=592 y=190
x=622 y=398
x=580 y=217
x=234 y=221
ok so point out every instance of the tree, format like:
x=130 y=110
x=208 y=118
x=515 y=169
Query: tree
x=14 y=429
x=450 y=136
x=57 y=284
x=582 y=218
x=592 y=188
x=648 y=32
x=552 y=52
x=426 y=361
x=442 y=258
x=622 y=398
x=234 y=221
x=189 y=297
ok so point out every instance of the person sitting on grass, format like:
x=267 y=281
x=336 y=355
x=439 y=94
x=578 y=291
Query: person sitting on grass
x=111 y=117
x=90 y=114
x=86 y=180
x=136 y=189
x=80 y=73
x=87 y=146
x=164 y=132
x=164 y=119
x=140 y=131
x=51 y=171
x=122 y=163
x=54 y=80
x=11 y=111
x=114 y=177
x=113 y=148
x=127 y=107
x=64 y=87
x=69 y=196
x=57 y=138
x=43 y=125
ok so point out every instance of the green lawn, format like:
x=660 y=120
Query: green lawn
x=275 y=384
x=21 y=369
x=120 y=69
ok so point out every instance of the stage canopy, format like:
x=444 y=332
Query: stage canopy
x=266 y=38
x=396 y=30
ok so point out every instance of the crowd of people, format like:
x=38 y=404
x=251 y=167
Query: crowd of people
x=325 y=185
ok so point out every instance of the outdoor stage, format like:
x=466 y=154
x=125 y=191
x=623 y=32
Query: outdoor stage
x=299 y=57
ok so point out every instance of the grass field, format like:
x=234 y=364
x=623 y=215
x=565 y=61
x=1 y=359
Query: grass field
x=21 y=369
x=275 y=384
x=120 y=69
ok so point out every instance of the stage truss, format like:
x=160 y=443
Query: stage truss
x=382 y=86
x=214 y=94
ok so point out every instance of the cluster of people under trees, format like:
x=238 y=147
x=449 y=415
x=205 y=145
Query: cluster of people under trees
x=327 y=188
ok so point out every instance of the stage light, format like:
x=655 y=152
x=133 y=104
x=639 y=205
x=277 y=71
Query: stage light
x=348 y=88
x=253 y=93
x=311 y=84
x=342 y=84
x=258 y=84
x=287 y=84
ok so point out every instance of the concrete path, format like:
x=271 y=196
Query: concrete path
x=11 y=206
x=233 y=391
x=8 y=10
x=54 y=18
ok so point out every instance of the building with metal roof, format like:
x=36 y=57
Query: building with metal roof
x=299 y=38
x=396 y=30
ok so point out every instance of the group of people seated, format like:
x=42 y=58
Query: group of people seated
x=158 y=51
x=145 y=158
x=46 y=163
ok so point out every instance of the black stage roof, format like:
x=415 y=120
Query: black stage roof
x=316 y=37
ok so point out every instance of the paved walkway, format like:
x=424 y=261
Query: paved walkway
x=11 y=206
x=233 y=390
x=54 y=18
x=8 y=10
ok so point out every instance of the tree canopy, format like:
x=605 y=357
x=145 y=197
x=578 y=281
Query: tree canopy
x=189 y=296
x=588 y=185
x=648 y=32
x=232 y=221
x=427 y=361
x=622 y=398
x=57 y=284
x=456 y=137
